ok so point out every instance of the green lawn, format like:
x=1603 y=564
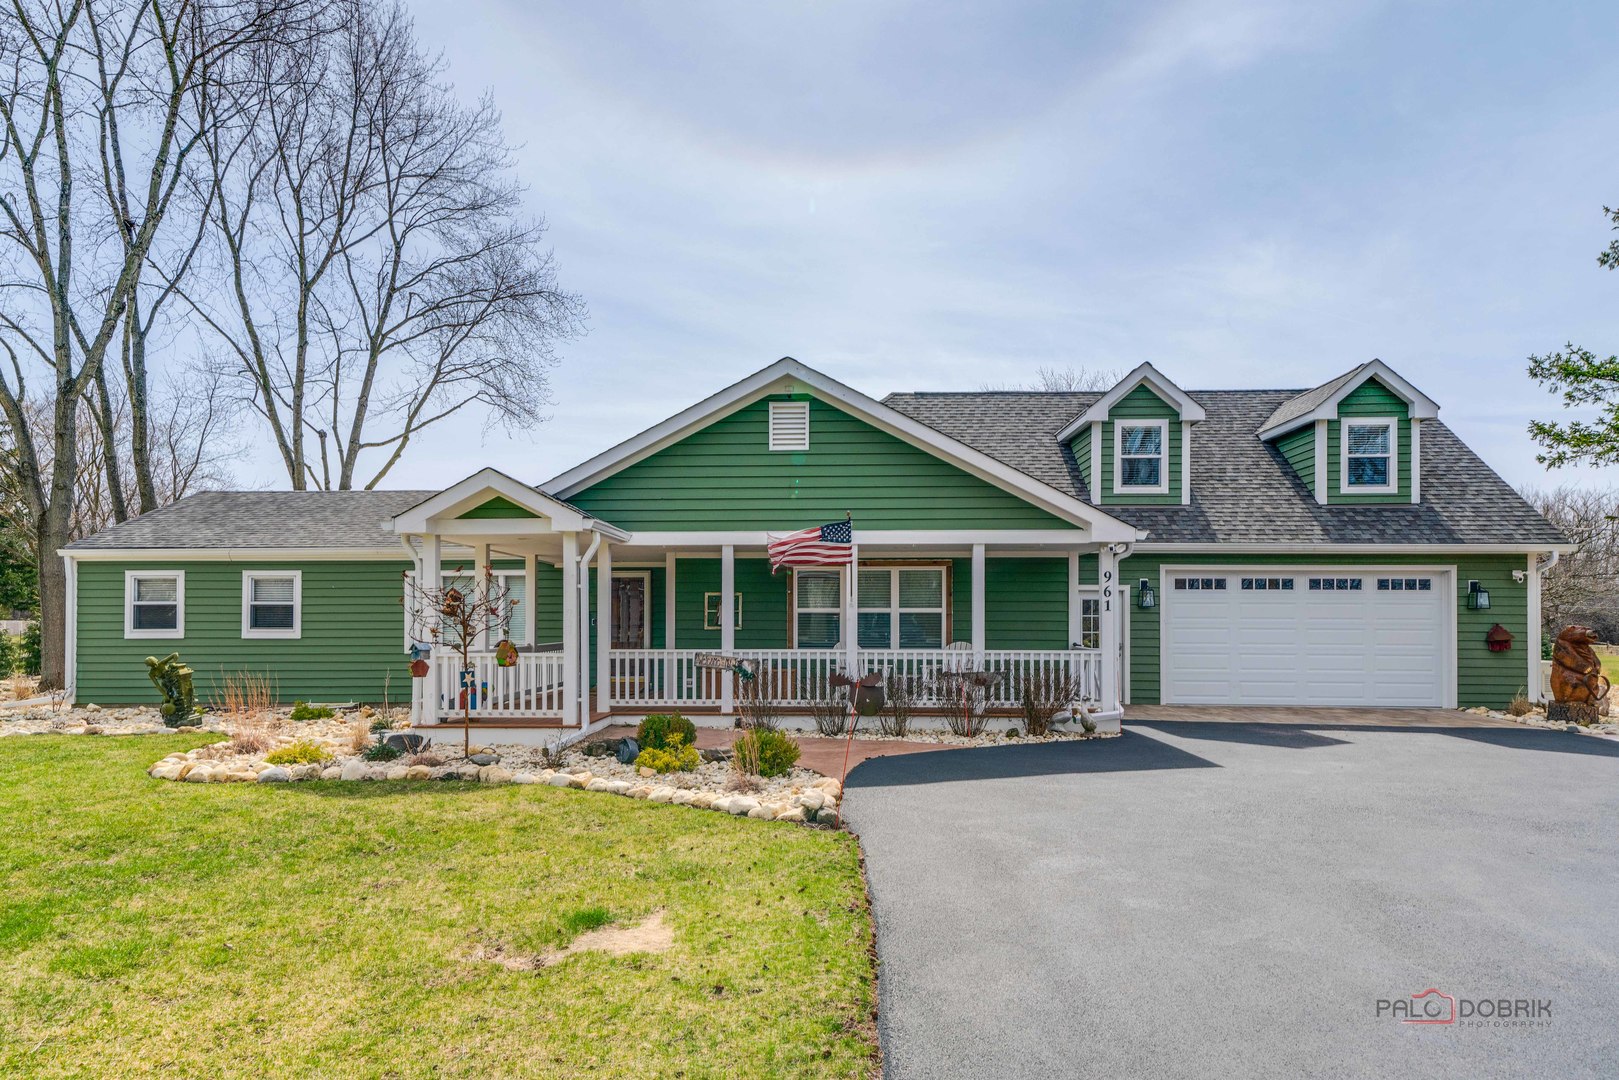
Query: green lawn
x=155 y=928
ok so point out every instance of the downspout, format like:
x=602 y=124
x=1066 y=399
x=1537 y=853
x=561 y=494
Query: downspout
x=70 y=631
x=418 y=687
x=583 y=585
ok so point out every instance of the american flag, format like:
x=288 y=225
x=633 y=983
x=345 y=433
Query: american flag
x=823 y=545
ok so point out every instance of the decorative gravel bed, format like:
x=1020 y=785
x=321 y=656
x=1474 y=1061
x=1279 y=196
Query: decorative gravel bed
x=1536 y=717
x=89 y=720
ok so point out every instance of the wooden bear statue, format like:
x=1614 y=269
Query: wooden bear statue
x=1579 y=689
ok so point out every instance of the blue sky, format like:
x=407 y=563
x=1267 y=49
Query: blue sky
x=943 y=195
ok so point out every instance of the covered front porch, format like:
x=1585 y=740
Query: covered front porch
x=610 y=625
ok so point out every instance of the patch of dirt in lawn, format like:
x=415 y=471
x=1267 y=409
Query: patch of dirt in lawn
x=651 y=935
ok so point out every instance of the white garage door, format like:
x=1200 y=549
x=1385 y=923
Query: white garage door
x=1305 y=637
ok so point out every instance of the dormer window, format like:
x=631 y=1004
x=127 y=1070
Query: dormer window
x=1369 y=455
x=1142 y=449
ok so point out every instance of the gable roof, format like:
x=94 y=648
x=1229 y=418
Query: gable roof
x=1144 y=374
x=788 y=375
x=1321 y=403
x=344 y=521
x=1243 y=490
x=485 y=484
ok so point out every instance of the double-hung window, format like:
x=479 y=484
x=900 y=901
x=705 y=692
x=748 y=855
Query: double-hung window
x=898 y=607
x=154 y=603
x=1370 y=450
x=1141 y=449
x=272 y=603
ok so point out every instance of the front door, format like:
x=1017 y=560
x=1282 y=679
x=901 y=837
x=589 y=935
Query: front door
x=629 y=612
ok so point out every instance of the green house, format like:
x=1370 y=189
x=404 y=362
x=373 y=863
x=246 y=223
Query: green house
x=1336 y=546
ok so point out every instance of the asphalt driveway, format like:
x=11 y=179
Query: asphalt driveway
x=1211 y=900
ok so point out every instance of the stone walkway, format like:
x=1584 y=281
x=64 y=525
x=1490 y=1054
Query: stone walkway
x=823 y=755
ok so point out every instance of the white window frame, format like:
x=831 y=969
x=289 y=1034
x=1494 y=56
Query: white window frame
x=251 y=631
x=838 y=610
x=894 y=609
x=1344 y=486
x=712 y=598
x=795 y=419
x=1119 y=486
x=1089 y=595
x=504 y=577
x=130 y=577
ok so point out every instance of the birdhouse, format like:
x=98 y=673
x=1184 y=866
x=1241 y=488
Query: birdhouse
x=1499 y=638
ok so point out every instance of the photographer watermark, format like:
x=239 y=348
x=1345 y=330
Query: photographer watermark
x=1434 y=1006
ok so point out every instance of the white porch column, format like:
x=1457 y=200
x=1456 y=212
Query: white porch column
x=978 y=606
x=604 y=626
x=570 y=629
x=429 y=578
x=851 y=617
x=1076 y=624
x=727 y=621
x=669 y=560
x=531 y=576
x=1107 y=581
x=481 y=577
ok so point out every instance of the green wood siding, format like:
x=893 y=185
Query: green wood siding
x=1081 y=447
x=725 y=477
x=1482 y=677
x=498 y=507
x=1298 y=448
x=1371 y=398
x=1140 y=404
x=1025 y=603
x=353 y=633
x=764 y=604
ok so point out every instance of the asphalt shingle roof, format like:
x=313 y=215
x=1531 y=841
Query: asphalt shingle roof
x=264 y=519
x=1308 y=401
x=1243 y=490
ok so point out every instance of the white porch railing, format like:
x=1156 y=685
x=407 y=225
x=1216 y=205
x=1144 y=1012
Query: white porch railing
x=662 y=678
x=532 y=687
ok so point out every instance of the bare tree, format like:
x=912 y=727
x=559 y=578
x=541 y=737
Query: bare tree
x=1058 y=380
x=455 y=616
x=382 y=277
x=1583 y=586
x=102 y=104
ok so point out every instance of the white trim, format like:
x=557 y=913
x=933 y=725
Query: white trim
x=1213 y=550
x=1075 y=622
x=1448 y=676
x=439 y=513
x=604 y=628
x=571 y=669
x=1162 y=486
x=1321 y=480
x=1186 y=463
x=1392 y=423
x=130 y=577
x=789 y=376
x=789 y=426
x=1126 y=609
x=980 y=635
x=1094 y=484
x=1188 y=409
x=312 y=554
x=1416 y=461
x=687 y=542
x=1419 y=406
x=727 y=621
x=798 y=609
x=646 y=616
x=70 y=629
x=1531 y=646
x=531 y=598
x=297 y=630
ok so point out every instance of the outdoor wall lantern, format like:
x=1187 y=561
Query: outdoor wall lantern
x=1478 y=597
x=1145 y=597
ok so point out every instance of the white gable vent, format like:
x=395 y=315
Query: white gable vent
x=789 y=425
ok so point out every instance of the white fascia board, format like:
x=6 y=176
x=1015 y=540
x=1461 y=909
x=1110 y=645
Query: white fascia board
x=1188 y=409
x=689 y=542
x=1213 y=549
x=1419 y=406
x=788 y=375
x=389 y=554
x=476 y=490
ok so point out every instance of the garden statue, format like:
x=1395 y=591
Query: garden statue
x=173 y=680
x=1579 y=689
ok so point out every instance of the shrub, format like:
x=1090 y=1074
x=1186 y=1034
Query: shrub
x=1520 y=705
x=900 y=695
x=756 y=697
x=676 y=756
x=302 y=752
x=302 y=710
x=381 y=752
x=381 y=724
x=29 y=658
x=657 y=730
x=830 y=707
x=10 y=654
x=1043 y=691
x=776 y=753
x=425 y=757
